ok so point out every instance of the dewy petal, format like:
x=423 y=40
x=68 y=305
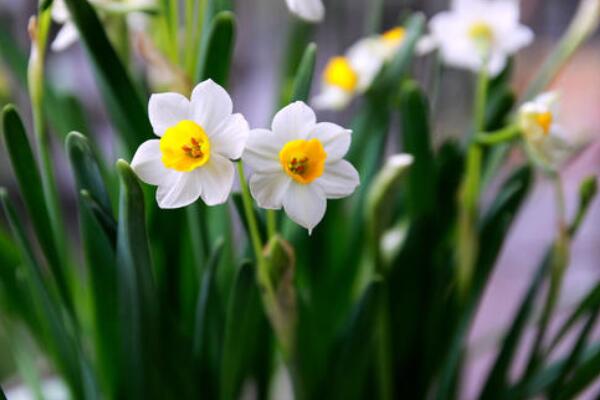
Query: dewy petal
x=216 y=178
x=67 y=35
x=181 y=190
x=262 y=151
x=332 y=98
x=335 y=139
x=340 y=179
x=148 y=166
x=166 y=110
x=294 y=121
x=230 y=137
x=309 y=10
x=269 y=189
x=211 y=104
x=305 y=204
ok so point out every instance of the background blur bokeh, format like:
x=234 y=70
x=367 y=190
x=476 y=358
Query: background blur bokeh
x=263 y=28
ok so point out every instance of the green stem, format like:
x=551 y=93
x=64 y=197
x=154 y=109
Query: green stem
x=251 y=218
x=480 y=99
x=271 y=223
x=501 y=136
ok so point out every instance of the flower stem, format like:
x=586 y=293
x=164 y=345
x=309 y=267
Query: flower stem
x=251 y=218
x=501 y=136
x=271 y=223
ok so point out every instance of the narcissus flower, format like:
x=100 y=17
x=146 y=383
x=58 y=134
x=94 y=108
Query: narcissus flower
x=545 y=138
x=308 y=10
x=348 y=76
x=475 y=33
x=198 y=138
x=299 y=164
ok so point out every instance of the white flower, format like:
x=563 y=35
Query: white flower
x=299 y=164
x=68 y=34
x=479 y=32
x=308 y=10
x=545 y=138
x=348 y=76
x=198 y=138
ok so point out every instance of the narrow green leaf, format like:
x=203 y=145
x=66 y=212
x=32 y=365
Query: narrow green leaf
x=217 y=54
x=416 y=139
x=244 y=326
x=119 y=92
x=304 y=74
x=583 y=376
x=30 y=186
x=137 y=296
x=2 y=395
x=55 y=334
x=44 y=5
x=355 y=348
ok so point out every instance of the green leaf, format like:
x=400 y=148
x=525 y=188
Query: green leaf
x=304 y=74
x=55 y=335
x=244 y=329
x=99 y=249
x=217 y=54
x=355 y=348
x=2 y=395
x=119 y=92
x=416 y=140
x=137 y=295
x=30 y=185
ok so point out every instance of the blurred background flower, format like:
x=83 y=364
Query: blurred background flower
x=263 y=27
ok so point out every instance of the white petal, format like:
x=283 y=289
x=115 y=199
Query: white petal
x=294 y=121
x=67 y=35
x=335 y=139
x=309 y=10
x=520 y=36
x=332 y=98
x=230 y=137
x=60 y=12
x=305 y=204
x=426 y=45
x=181 y=190
x=269 y=189
x=211 y=104
x=367 y=57
x=262 y=151
x=166 y=110
x=216 y=178
x=148 y=166
x=497 y=63
x=339 y=180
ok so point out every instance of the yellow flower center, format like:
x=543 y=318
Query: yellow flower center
x=185 y=147
x=339 y=73
x=544 y=120
x=394 y=35
x=303 y=160
x=482 y=33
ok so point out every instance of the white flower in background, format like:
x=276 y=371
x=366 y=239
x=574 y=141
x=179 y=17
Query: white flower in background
x=68 y=34
x=348 y=76
x=198 y=138
x=479 y=32
x=299 y=164
x=545 y=138
x=308 y=10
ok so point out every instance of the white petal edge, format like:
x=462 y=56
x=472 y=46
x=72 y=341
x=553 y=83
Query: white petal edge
x=148 y=166
x=181 y=190
x=269 y=189
x=339 y=180
x=305 y=204
x=211 y=104
x=166 y=110
x=230 y=137
x=216 y=178
x=67 y=36
x=294 y=121
x=262 y=151
x=308 y=10
x=335 y=139
x=332 y=98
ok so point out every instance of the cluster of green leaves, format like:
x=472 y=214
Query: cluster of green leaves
x=165 y=303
